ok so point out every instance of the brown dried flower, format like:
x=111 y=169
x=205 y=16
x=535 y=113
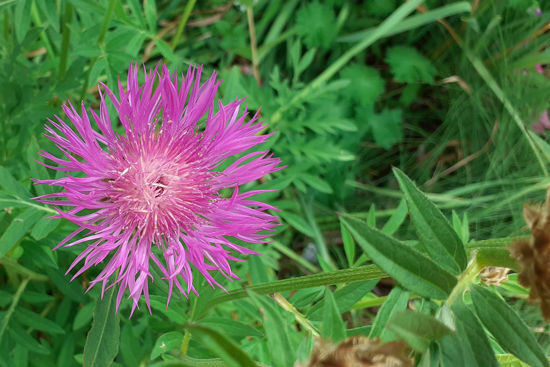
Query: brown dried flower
x=360 y=351
x=533 y=254
x=494 y=275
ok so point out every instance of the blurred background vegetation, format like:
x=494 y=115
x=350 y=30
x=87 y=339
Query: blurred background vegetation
x=452 y=102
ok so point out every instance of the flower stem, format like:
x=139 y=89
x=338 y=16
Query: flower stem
x=183 y=21
x=187 y=336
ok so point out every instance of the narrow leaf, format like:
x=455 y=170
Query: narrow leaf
x=282 y=352
x=102 y=342
x=507 y=327
x=221 y=346
x=407 y=266
x=436 y=234
x=396 y=301
x=417 y=329
x=333 y=327
x=17 y=229
x=479 y=347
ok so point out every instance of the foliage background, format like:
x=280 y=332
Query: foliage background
x=450 y=104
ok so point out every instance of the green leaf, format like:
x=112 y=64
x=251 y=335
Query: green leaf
x=407 y=266
x=43 y=227
x=311 y=24
x=507 y=327
x=20 y=336
x=11 y=185
x=17 y=229
x=333 y=327
x=387 y=127
x=417 y=329
x=276 y=331
x=222 y=347
x=366 y=85
x=349 y=245
x=83 y=316
x=316 y=182
x=231 y=327
x=166 y=342
x=151 y=14
x=345 y=298
x=22 y=19
x=396 y=301
x=298 y=223
x=477 y=342
x=102 y=342
x=37 y=322
x=409 y=66
x=435 y=233
x=396 y=219
x=509 y=360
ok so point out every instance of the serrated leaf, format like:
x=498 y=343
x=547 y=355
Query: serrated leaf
x=407 y=266
x=417 y=329
x=222 y=347
x=366 y=85
x=507 y=327
x=396 y=301
x=332 y=327
x=102 y=342
x=409 y=66
x=166 y=342
x=435 y=233
x=387 y=127
x=311 y=24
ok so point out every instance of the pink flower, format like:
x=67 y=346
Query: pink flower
x=153 y=191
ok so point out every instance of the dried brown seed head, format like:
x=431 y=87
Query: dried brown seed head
x=533 y=255
x=360 y=351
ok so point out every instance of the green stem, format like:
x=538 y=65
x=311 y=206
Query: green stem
x=14 y=303
x=308 y=281
x=183 y=21
x=66 y=39
x=187 y=336
x=395 y=18
x=465 y=279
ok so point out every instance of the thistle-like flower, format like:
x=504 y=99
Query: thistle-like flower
x=149 y=191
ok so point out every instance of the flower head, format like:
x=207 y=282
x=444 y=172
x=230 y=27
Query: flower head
x=149 y=192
